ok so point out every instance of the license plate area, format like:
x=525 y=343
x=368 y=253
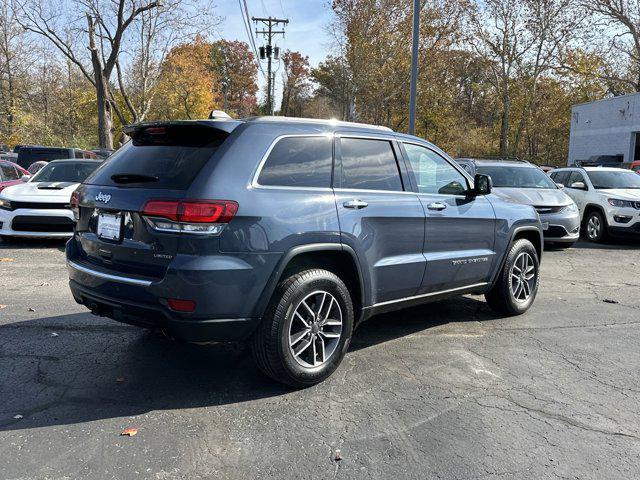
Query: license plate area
x=110 y=226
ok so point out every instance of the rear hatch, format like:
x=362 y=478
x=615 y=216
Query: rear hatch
x=158 y=164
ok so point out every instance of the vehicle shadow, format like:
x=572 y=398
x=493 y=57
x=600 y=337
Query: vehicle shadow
x=78 y=368
x=30 y=243
x=612 y=243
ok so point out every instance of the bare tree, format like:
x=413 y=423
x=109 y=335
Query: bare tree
x=106 y=25
x=500 y=35
x=15 y=59
x=552 y=25
x=155 y=32
x=617 y=40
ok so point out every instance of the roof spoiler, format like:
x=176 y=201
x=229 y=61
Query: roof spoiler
x=219 y=124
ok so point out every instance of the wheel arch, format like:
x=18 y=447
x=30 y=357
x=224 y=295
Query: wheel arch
x=528 y=232
x=590 y=207
x=335 y=257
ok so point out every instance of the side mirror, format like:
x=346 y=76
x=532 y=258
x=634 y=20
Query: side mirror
x=579 y=185
x=25 y=178
x=560 y=185
x=482 y=184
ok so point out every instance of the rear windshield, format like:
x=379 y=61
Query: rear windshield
x=74 y=172
x=26 y=156
x=160 y=157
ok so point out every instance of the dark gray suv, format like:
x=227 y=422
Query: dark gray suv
x=289 y=233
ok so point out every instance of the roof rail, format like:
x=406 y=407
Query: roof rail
x=316 y=121
x=496 y=158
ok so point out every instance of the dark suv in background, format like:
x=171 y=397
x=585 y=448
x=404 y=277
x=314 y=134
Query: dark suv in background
x=28 y=154
x=290 y=232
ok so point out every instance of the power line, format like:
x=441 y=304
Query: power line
x=247 y=26
x=268 y=51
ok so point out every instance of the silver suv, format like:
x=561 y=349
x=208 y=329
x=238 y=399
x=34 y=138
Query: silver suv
x=522 y=182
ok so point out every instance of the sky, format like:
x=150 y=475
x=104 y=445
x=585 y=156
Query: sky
x=305 y=32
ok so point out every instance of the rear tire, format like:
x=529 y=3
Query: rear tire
x=595 y=227
x=306 y=329
x=517 y=286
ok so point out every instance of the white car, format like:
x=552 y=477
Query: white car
x=608 y=199
x=40 y=207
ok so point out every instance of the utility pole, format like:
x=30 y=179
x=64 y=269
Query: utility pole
x=414 y=66
x=268 y=51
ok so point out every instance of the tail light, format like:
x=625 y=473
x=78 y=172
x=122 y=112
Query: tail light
x=74 y=203
x=189 y=216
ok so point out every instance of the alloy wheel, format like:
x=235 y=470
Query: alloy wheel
x=523 y=277
x=593 y=227
x=315 y=329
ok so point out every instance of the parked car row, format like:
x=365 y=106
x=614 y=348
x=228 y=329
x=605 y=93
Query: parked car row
x=39 y=205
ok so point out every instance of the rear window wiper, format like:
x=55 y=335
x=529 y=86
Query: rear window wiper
x=133 y=178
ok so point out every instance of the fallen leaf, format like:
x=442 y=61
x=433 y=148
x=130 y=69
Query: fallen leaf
x=6 y=259
x=129 y=432
x=31 y=309
x=54 y=334
x=44 y=284
x=2 y=306
x=337 y=457
x=18 y=417
x=608 y=300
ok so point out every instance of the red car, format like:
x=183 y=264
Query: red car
x=10 y=174
x=635 y=166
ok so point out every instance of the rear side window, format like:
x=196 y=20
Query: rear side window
x=299 y=162
x=9 y=172
x=369 y=164
x=160 y=157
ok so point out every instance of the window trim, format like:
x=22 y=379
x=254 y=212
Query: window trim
x=254 y=179
x=397 y=153
x=466 y=175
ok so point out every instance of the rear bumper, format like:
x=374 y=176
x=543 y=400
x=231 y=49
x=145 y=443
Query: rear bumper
x=156 y=316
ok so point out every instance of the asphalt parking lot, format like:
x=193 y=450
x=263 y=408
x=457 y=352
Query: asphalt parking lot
x=447 y=390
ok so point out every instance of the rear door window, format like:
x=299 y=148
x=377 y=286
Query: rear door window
x=369 y=164
x=160 y=157
x=299 y=162
x=8 y=172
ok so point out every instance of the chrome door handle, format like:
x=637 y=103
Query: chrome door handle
x=355 y=204
x=436 y=206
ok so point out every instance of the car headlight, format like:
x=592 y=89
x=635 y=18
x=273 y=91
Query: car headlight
x=5 y=204
x=616 y=202
x=572 y=207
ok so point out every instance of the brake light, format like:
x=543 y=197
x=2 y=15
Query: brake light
x=194 y=216
x=74 y=203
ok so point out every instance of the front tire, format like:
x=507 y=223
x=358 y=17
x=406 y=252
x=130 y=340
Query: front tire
x=306 y=329
x=517 y=286
x=595 y=226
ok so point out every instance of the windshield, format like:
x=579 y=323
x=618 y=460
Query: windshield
x=618 y=179
x=516 y=177
x=74 y=172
